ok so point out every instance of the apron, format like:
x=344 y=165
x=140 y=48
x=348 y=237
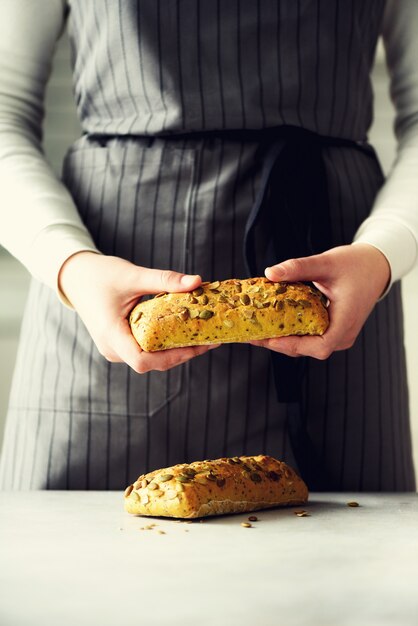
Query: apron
x=162 y=178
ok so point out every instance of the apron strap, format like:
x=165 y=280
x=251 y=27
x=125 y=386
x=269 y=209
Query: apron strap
x=291 y=218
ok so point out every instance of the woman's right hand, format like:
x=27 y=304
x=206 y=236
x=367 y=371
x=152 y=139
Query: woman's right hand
x=104 y=289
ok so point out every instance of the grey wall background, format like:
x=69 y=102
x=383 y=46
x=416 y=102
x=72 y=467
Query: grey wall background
x=61 y=128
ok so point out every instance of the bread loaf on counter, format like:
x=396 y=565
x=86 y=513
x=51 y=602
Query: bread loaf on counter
x=227 y=312
x=216 y=487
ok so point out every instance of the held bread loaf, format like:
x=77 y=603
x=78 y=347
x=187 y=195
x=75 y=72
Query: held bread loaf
x=228 y=311
x=216 y=487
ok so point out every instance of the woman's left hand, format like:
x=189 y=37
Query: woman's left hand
x=352 y=277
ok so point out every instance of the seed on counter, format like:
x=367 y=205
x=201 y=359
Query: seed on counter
x=353 y=504
x=161 y=532
x=300 y=511
x=303 y=514
x=253 y=518
x=246 y=525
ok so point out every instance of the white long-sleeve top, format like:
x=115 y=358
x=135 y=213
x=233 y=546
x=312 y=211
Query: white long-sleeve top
x=39 y=223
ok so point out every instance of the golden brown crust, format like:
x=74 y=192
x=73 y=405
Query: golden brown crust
x=216 y=487
x=228 y=312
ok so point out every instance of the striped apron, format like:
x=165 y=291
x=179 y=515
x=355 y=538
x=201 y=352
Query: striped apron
x=159 y=180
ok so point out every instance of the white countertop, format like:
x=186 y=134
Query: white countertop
x=76 y=558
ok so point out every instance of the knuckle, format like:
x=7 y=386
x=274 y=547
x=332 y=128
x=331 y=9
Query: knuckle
x=294 y=265
x=323 y=354
x=292 y=350
x=107 y=354
x=167 y=278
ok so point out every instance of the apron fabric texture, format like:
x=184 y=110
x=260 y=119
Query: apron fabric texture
x=159 y=180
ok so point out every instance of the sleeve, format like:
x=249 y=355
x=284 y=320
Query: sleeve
x=39 y=222
x=392 y=226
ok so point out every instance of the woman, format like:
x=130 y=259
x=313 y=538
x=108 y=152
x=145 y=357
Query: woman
x=205 y=125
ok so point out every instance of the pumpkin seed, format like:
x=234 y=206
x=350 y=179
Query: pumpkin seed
x=273 y=475
x=128 y=490
x=153 y=486
x=204 y=299
x=256 y=478
x=245 y=299
x=157 y=493
x=193 y=300
x=228 y=323
x=206 y=314
x=353 y=504
x=305 y=304
x=198 y=291
x=136 y=317
x=246 y=525
x=144 y=499
x=171 y=494
x=184 y=314
x=182 y=478
x=201 y=480
x=193 y=314
x=144 y=483
x=220 y=482
x=248 y=314
x=253 y=518
x=281 y=289
x=165 y=477
x=214 y=285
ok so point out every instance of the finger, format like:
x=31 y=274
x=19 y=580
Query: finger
x=130 y=352
x=167 y=359
x=157 y=281
x=316 y=268
x=296 y=346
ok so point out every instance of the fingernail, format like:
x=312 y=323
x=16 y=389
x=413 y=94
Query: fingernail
x=187 y=280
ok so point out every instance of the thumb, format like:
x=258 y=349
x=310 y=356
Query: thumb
x=156 y=281
x=312 y=268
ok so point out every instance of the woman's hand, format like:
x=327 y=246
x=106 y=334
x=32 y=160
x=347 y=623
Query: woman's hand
x=352 y=277
x=104 y=289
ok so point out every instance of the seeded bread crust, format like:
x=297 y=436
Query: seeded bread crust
x=228 y=312
x=216 y=487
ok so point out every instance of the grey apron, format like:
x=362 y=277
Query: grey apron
x=147 y=75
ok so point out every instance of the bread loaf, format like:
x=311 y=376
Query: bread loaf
x=228 y=311
x=227 y=485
